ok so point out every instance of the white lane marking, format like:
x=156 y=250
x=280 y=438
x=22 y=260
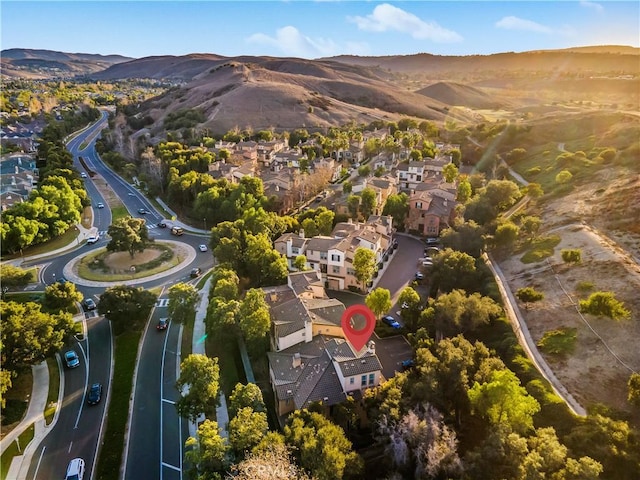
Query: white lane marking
x=86 y=382
x=35 y=474
x=177 y=469
x=104 y=412
x=166 y=400
x=70 y=445
x=164 y=351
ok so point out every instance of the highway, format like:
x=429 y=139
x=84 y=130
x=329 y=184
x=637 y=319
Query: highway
x=157 y=434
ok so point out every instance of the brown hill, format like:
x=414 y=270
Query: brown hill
x=44 y=64
x=452 y=93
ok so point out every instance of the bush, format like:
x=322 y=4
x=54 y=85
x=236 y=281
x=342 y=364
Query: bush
x=604 y=304
x=559 y=342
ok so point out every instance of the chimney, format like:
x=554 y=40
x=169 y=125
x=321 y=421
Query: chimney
x=297 y=361
x=301 y=233
x=371 y=347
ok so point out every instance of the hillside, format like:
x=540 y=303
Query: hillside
x=453 y=93
x=45 y=64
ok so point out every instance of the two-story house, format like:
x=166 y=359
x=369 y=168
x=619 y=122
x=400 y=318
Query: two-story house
x=410 y=174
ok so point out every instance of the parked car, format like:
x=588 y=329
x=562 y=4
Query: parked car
x=203 y=248
x=95 y=394
x=392 y=322
x=419 y=276
x=195 y=272
x=100 y=205
x=407 y=364
x=431 y=250
x=432 y=241
x=163 y=323
x=71 y=359
x=395 y=244
x=89 y=304
x=75 y=470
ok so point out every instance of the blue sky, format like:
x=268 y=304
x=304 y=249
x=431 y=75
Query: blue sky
x=312 y=29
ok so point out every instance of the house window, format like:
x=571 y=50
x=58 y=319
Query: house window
x=295 y=251
x=312 y=266
x=323 y=255
x=336 y=269
x=335 y=258
x=351 y=271
x=352 y=380
x=363 y=381
x=372 y=377
x=418 y=204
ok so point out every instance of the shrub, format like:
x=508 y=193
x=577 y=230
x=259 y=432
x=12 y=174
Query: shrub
x=604 y=304
x=559 y=342
x=571 y=255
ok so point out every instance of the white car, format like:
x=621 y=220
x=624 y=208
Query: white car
x=100 y=205
x=203 y=248
x=83 y=175
x=93 y=238
x=75 y=470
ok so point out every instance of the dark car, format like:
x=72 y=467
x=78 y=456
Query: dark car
x=392 y=322
x=163 y=323
x=195 y=272
x=162 y=224
x=395 y=244
x=71 y=359
x=95 y=394
x=62 y=280
x=89 y=304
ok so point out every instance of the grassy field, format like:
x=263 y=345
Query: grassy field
x=119 y=212
x=540 y=248
x=54 y=390
x=231 y=371
x=126 y=351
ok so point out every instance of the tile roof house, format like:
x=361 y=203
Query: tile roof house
x=332 y=256
x=430 y=211
x=310 y=360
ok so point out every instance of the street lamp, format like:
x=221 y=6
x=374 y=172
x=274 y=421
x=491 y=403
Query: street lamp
x=205 y=223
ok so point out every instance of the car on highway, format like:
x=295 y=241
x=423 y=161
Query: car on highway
x=71 y=359
x=392 y=322
x=93 y=238
x=203 y=248
x=163 y=323
x=89 y=304
x=100 y=205
x=95 y=394
x=143 y=211
x=195 y=272
x=75 y=470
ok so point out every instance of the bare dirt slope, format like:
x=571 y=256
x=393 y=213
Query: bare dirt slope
x=606 y=350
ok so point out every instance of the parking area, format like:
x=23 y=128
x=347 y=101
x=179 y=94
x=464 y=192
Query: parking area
x=391 y=352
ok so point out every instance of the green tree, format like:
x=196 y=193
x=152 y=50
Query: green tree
x=571 y=255
x=353 y=203
x=534 y=190
x=183 y=299
x=452 y=269
x=347 y=187
x=604 y=304
x=410 y=314
x=321 y=447
x=200 y=374
x=529 y=295
x=5 y=386
x=398 y=207
x=254 y=316
x=128 y=235
x=379 y=301
x=310 y=227
x=224 y=283
x=300 y=263
x=246 y=429
x=455 y=312
x=368 y=202
x=207 y=453
x=28 y=335
x=633 y=386
x=450 y=172
x=126 y=306
x=61 y=297
x=248 y=395
x=467 y=237
x=501 y=400
x=464 y=191
x=530 y=225
x=506 y=235
x=324 y=221
x=13 y=276
x=364 y=265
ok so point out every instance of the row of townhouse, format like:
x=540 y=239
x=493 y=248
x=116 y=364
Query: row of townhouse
x=332 y=256
x=18 y=178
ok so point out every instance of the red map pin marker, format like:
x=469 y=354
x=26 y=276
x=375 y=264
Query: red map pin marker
x=358 y=337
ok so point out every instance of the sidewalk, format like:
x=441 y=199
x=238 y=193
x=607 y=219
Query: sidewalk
x=199 y=331
x=178 y=223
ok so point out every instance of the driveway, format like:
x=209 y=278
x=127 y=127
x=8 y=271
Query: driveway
x=402 y=266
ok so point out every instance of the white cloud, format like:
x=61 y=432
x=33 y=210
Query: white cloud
x=386 y=17
x=290 y=41
x=596 y=6
x=515 y=23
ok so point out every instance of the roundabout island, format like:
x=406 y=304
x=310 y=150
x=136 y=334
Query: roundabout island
x=101 y=267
